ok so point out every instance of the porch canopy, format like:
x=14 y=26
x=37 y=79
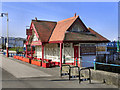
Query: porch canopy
x=65 y=31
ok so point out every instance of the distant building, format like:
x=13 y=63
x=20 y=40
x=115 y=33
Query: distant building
x=112 y=46
x=19 y=42
x=1 y=41
x=13 y=42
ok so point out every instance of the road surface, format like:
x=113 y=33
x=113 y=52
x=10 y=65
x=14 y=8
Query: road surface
x=19 y=74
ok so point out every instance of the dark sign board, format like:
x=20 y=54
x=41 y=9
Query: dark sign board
x=84 y=50
x=28 y=31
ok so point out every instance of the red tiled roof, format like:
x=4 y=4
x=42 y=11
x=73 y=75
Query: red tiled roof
x=82 y=37
x=56 y=31
x=71 y=36
x=60 y=29
x=101 y=38
x=44 y=29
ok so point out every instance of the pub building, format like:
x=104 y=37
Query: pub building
x=65 y=41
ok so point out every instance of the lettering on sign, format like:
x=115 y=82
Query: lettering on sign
x=87 y=50
x=101 y=48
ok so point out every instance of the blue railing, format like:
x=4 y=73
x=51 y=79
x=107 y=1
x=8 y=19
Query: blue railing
x=95 y=62
x=12 y=54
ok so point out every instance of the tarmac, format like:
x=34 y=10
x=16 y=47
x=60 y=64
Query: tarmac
x=19 y=74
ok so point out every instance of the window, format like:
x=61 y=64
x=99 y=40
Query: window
x=77 y=28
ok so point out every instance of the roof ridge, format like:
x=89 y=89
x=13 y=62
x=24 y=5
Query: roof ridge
x=68 y=18
x=44 y=21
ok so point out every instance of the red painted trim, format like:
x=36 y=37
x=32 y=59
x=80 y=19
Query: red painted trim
x=26 y=52
x=28 y=37
x=70 y=63
x=55 y=42
x=35 y=30
x=76 y=54
x=42 y=53
x=60 y=56
x=31 y=52
x=37 y=43
x=78 y=41
x=32 y=27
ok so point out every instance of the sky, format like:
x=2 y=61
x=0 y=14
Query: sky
x=100 y=16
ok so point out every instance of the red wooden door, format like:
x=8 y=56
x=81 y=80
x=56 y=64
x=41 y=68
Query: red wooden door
x=76 y=54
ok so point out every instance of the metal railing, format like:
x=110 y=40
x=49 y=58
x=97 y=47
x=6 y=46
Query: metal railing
x=85 y=79
x=12 y=54
x=77 y=75
x=95 y=62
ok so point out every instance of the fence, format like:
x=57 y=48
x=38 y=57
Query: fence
x=12 y=54
x=95 y=62
x=109 y=58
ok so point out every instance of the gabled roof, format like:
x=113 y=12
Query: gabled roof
x=61 y=28
x=58 y=31
x=101 y=38
x=44 y=29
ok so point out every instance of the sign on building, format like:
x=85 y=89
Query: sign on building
x=87 y=49
x=28 y=31
x=101 y=48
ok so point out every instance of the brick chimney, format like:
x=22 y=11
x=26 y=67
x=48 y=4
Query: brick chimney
x=75 y=15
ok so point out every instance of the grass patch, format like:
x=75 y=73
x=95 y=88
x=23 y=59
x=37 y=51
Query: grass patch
x=19 y=49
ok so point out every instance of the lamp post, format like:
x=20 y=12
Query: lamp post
x=2 y=15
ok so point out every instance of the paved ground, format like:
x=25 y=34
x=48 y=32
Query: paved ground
x=44 y=78
x=20 y=70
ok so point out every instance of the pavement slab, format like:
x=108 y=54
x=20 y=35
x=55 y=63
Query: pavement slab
x=20 y=70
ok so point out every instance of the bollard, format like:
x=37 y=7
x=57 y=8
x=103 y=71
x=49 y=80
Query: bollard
x=24 y=55
x=94 y=64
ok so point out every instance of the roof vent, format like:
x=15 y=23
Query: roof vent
x=35 y=18
x=75 y=15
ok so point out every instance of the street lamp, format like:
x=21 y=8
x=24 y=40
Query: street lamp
x=2 y=15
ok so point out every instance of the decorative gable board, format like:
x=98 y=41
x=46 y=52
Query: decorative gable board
x=77 y=27
x=34 y=37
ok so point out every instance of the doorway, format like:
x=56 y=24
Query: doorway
x=76 y=55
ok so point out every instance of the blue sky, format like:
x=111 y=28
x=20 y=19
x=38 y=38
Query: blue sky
x=100 y=16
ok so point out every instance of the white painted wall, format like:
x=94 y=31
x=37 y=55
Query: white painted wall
x=69 y=53
x=52 y=51
x=38 y=51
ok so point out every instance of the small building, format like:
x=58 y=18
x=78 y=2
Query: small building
x=65 y=40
